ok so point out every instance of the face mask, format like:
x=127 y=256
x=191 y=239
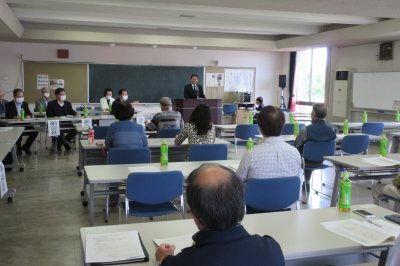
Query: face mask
x=19 y=100
x=63 y=98
x=108 y=97
x=125 y=97
x=47 y=95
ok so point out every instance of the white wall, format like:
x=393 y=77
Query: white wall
x=268 y=64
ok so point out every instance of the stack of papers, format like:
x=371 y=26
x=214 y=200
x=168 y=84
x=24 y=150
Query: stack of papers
x=179 y=242
x=365 y=233
x=146 y=169
x=381 y=161
x=114 y=247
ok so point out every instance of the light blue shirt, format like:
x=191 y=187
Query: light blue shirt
x=18 y=106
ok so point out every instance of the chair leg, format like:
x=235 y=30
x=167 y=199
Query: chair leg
x=182 y=207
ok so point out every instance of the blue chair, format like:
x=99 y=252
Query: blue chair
x=208 y=152
x=315 y=151
x=81 y=108
x=150 y=194
x=100 y=132
x=372 y=128
x=125 y=156
x=228 y=110
x=288 y=129
x=97 y=108
x=245 y=132
x=271 y=194
x=169 y=132
x=354 y=144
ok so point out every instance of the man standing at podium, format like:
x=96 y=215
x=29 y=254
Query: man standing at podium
x=192 y=90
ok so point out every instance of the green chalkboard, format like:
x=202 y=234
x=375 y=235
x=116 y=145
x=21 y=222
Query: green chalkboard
x=146 y=84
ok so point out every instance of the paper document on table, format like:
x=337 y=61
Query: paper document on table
x=112 y=247
x=234 y=166
x=289 y=138
x=143 y=169
x=381 y=161
x=363 y=233
x=179 y=242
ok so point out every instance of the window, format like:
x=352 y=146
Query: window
x=310 y=78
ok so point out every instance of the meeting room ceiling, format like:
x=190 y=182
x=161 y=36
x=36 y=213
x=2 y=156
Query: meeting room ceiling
x=220 y=24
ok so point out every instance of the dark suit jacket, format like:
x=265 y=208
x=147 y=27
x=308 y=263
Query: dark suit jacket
x=3 y=106
x=113 y=105
x=11 y=110
x=54 y=109
x=229 y=247
x=189 y=93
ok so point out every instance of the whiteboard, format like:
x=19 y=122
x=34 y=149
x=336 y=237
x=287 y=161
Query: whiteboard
x=237 y=79
x=377 y=90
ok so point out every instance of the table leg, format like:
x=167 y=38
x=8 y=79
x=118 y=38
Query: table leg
x=82 y=257
x=384 y=256
x=336 y=183
x=91 y=204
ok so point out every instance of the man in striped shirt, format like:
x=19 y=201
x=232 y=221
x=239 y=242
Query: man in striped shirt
x=166 y=118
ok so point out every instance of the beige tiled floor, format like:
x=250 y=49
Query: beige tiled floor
x=41 y=226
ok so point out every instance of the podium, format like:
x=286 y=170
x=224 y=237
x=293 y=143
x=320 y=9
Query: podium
x=186 y=107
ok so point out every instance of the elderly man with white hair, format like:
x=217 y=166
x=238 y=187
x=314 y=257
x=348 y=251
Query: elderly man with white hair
x=167 y=118
x=44 y=100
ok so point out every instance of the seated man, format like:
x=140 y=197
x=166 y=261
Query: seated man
x=13 y=111
x=272 y=157
x=392 y=190
x=2 y=103
x=123 y=96
x=167 y=118
x=44 y=100
x=260 y=104
x=317 y=131
x=60 y=107
x=215 y=196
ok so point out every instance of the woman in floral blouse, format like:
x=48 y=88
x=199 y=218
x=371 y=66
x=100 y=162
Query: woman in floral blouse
x=199 y=129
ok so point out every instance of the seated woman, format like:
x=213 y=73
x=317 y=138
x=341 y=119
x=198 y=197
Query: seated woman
x=199 y=129
x=125 y=133
x=106 y=100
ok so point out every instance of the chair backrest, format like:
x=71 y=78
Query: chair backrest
x=355 y=144
x=154 y=188
x=97 y=108
x=315 y=151
x=128 y=156
x=169 y=132
x=375 y=128
x=272 y=194
x=208 y=152
x=100 y=132
x=246 y=131
x=394 y=257
x=229 y=108
x=79 y=108
x=288 y=129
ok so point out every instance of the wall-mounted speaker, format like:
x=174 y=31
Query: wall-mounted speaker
x=282 y=81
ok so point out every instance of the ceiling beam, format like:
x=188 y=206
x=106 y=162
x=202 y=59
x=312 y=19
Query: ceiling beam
x=10 y=27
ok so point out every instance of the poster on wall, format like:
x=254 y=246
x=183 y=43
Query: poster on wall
x=42 y=81
x=236 y=78
x=219 y=79
x=56 y=83
x=214 y=79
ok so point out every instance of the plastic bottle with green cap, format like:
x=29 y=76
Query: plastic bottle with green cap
x=365 y=117
x=397 y=116
x=383 y=150
x=40 y=109
x=164 y=153
x=110 y=107
x=250 y=144
x=291 y=118
x=296 y=129
x=345 y=127
x=277 y=105
x=22 y=114
x=84 y=112
x=345 y=194
x=250 y=119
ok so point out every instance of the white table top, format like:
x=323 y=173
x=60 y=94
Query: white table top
x=298 y=232
x=153 y=143
x=339 y=137
x=119 y=173
x=10 y=135
x=354 y=161
x=359 y=124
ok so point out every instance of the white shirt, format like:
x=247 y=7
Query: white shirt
x=46 y=100
x=18 y=106
x=60 y=104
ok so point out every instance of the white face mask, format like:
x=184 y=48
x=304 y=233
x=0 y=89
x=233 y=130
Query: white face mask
x=47 y=94
x=125 y=97
x=108 y=97
x=19 y=100
x=63 y=98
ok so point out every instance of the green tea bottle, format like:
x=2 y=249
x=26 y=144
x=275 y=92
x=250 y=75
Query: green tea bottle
x=250 y=144
x=345 y=127
x=296 y=129
x=345 y=194
x=110 y=107
x=85 y=112
x=383 y=150
x=22 y=114
x=365 y=117
x=291 y=118
x=164 y=153
x=397 y=116
x=250 y=119
x=40 y=109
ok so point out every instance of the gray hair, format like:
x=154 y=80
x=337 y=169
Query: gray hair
x=320 y=110
x=42 y=89
x=165 y=101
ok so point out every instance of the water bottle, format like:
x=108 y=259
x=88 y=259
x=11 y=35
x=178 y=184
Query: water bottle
x=116 y=120
x=250 y=144
x=40 y=109
x=84 y=112
x=250 y=119
x=397 y=117
x=277 y=105
x=110 y=107
x=164 y=153
x=345 y=194
x=383 y=150
x=291 y=118
x=365 y=117
x=22 y=114
x=296 y=129
x=345 y=127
